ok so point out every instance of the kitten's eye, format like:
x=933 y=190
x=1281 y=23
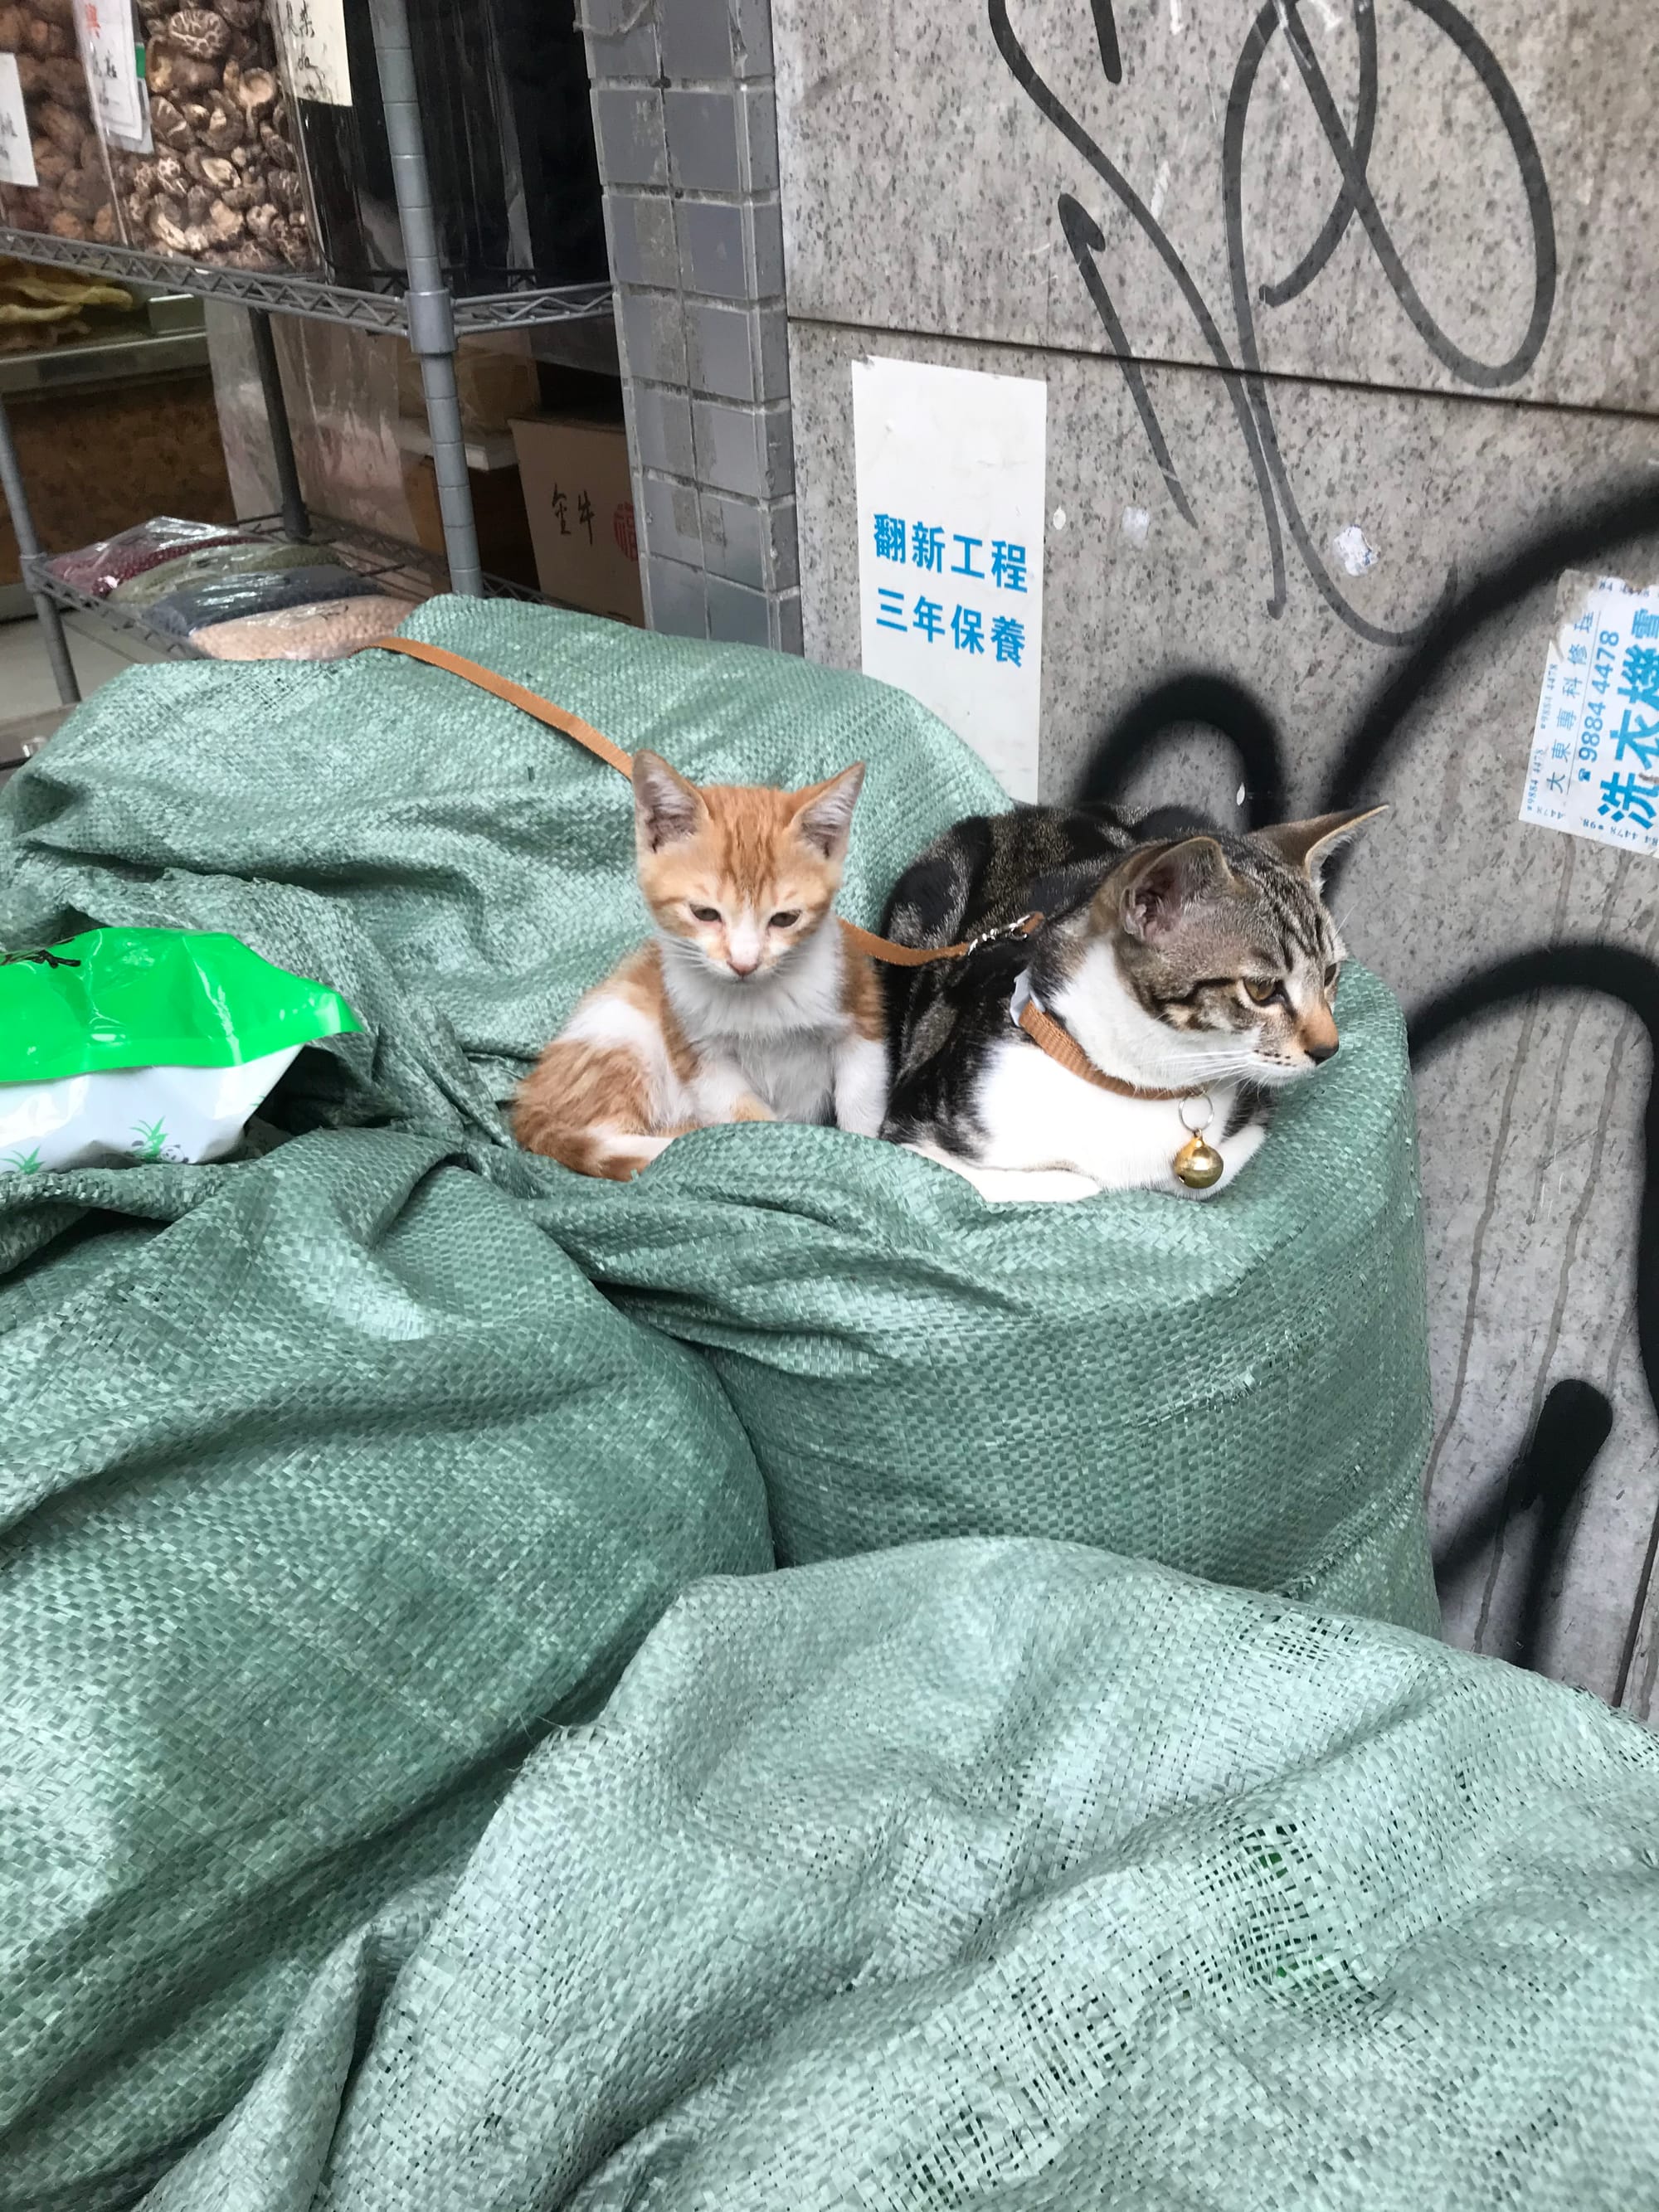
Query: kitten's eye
x=786 y=921
x=1261 y=994
x=705 y=913
x=1331 y=975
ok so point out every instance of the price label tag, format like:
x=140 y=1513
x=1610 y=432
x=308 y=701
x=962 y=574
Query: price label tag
x=313 y=42
x=109 y=49
x=16 y=154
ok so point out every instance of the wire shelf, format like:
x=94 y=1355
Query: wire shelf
x=307 y=296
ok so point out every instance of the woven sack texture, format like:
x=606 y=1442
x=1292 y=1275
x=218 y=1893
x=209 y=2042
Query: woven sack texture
x=1005 y=1874
x=1238 y=1388
x=326 y=1484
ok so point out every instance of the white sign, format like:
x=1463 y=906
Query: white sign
x=1595 y=766
x=951 y=480
x=16 y=154
x=109 y=49
x=313 y=41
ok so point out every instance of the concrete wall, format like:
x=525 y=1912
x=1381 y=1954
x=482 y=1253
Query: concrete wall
x=1335 y=303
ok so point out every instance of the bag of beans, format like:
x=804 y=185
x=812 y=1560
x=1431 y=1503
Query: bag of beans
x=98 y=568
x=146 y=1044
x=256 y=558
x=329 y=631
x=228 y=598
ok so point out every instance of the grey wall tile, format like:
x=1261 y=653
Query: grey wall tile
x=752 y=37
x=751 y=542
x=652 y=334
x=757 y=132
x=738 y=615
x=662 y=430
x=643 y=247
x=622 y=39
x=628 y=126
x=675 y=597
x=697 y=38
x=673 y=521
x=742 y=449
x=787 y=622
x=704 y=126
x=712 y=248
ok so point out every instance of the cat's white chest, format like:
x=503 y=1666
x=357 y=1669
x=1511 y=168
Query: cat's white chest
x=1037 y=1114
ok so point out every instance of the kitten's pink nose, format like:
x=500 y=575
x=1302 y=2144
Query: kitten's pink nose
x=742 y=967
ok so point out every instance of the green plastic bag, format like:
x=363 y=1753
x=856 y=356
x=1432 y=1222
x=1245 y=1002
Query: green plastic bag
x=146 y=1044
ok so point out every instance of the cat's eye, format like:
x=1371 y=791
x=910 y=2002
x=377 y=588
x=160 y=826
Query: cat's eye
x=786 y=921
x=705 y=913
x=1331 y=975
x=1261 y=991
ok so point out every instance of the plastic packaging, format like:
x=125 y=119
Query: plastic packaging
x=509 y=139
x=100 y=567
x=146 y=1044
x=230 y=599
x=213 y=172
x=255 y=556
x=59 y=180
x=328 y=632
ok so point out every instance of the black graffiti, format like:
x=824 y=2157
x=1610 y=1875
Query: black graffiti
x=1247 y=387
x=1547 y=1480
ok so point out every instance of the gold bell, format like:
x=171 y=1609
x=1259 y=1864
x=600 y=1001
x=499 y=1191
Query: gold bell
x=1198 y=1164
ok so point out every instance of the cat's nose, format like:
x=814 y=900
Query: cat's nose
x=1319 y=1052
x=745 y=967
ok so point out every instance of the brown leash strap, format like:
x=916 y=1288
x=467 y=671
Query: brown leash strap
x=595 y=742
x=529 y=702
x=1060 y=1044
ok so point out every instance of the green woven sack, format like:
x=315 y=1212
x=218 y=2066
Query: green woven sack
x=907 y=1361
x=326 y=1487
x=993 y=1876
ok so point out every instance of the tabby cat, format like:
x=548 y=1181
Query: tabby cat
x=746 y=1005
x=1182 y=959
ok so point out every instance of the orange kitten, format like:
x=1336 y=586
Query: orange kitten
x=746 y=1007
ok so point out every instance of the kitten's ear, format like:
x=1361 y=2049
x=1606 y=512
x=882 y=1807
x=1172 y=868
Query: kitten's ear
x=665 y=806
x=1154 y=889
x=1309 y=844
x=823 y=816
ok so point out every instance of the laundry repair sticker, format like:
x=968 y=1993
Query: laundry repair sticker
x=1595 y=766
x=951 y=475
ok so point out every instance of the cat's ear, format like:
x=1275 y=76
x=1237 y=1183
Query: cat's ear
x=666 y=808
x=823 y=811
x=1309 y=844
x=1154 y=889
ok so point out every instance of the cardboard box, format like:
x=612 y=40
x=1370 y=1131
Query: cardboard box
x=495 y=379
x=580 y=498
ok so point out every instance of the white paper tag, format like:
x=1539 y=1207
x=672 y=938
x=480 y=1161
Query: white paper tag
x=109 y=50
x=1595 y=766
x=311 y=35
x=16 y=153
x=951 y=478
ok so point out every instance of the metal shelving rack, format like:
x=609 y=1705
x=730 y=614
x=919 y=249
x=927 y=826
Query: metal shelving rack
x=425 y=311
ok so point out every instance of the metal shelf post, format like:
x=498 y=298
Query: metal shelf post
x=296 y=523
x=28 y=549
x=428 y=305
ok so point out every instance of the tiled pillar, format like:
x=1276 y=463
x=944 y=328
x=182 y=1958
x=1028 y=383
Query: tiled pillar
x=687 y=132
